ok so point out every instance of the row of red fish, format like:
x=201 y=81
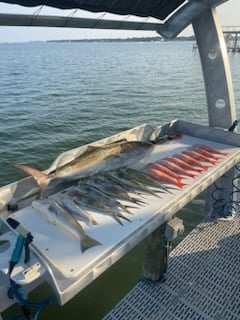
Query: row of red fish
x=189 y=163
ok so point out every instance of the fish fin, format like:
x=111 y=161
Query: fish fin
x=89 y=149
x=62 y=160
x=123 y=140
x=40 y=177
x=93 y=221
x=87 y=242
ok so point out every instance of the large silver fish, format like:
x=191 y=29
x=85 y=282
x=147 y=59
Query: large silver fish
x=56 y=215
x=95 y=159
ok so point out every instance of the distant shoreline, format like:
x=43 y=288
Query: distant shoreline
x=135 y=39
x=157 y=39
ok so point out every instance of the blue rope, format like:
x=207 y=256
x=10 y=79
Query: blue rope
x=16 y=290
x=37 y=306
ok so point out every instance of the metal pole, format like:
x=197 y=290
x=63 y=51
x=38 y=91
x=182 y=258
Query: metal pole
x=218 y=84
x=216 y=69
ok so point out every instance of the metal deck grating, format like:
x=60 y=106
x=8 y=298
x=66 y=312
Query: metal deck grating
x=203 y=280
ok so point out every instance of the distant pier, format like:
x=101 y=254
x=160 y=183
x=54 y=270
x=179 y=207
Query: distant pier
x=232 y=38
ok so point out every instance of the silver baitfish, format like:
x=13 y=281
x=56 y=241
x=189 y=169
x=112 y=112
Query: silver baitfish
x=144 y=178
x=138 y=185
x=88 y=201
x=110 y=189
x=96 y=193
x=71 y=205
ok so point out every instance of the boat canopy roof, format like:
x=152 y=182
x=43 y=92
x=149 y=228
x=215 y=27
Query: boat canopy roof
x=159 y=9
x=174 y=15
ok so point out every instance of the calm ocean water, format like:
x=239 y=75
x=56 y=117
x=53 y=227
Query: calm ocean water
x=57 y=96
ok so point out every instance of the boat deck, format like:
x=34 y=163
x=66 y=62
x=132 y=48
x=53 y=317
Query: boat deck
x=203 y=279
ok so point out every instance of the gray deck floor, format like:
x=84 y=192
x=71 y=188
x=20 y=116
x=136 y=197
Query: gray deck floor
x=203 y=280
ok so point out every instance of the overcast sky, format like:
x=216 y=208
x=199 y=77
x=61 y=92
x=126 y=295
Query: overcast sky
x=228 y=13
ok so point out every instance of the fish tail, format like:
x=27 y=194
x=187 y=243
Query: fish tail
x=40 y=177
x=123 y=217
x=87 y=242
x=199 y=170
x=125 y=208
x=191 y=175
x=91 y=220
x=117 y=216
x=156 y=193
x=136 y=201
x=212 y=161
x=205 y=167
x=180 y=184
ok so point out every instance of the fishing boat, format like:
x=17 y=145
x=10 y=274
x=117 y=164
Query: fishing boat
x=40 y=241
